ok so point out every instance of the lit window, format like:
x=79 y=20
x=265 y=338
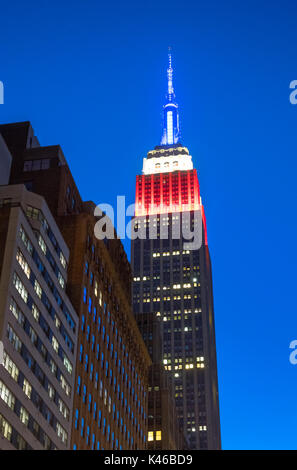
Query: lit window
x=68 y=365
x=42 y=244
x=158 y=435
x=62 y=260
x=55 y=344
x=150 y=436
x=6 y=395
x=23 y=263
x=24 y=416
x=5 y=428
x=35 y=312
x=62 y=434
x=61 y=280
x=20 y=287
x=27 y=389
x=11 y=368
x=37 y=288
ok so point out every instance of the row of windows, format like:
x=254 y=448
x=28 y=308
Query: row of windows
x=40 y=348
x=37 y=214
x=9 y=433
x=37 y=371
x=154 y=436
x=43 y=246
x=29 y=301
x=102 y=423
x=38 y=317
x=117 y=392
x=46 y=277
x=25 y=417
x=36 y=165
x=105 y=365
x=34 y=396
x=42 y=296
x=106 y=338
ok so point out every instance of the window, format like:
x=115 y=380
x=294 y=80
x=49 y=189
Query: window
x=32 y=335
x=20 y=287
x=68 y=365
x=61 y=280
x=17 y=312
x=14 y=339
x=11 y=368
x=35 y=312
x=24 y=416
x=28 y=165
x=36 y=165
x=65 y=386
x=42 y=244
x=32 y=213
x=76 y=419
x=62 y=260
x=5 y=428
x=27 y=389
x=158 y=435
x=53 y=367
x=23 y=263
x=51 y=391
x=55 y=344
x=6 y=395
x=62 y=434
x=63 y=409
x=37 y=288
x=150 y=436
x=26 y=241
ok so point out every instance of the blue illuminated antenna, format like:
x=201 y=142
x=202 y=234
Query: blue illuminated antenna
x=171 y=131
x=170 y=76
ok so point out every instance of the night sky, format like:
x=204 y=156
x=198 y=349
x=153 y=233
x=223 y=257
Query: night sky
x=91 y=76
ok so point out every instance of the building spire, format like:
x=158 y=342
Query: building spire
x=170 y=95
x=171 y=132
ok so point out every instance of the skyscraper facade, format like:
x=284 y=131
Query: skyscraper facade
x=164 y=432
x=172 y=276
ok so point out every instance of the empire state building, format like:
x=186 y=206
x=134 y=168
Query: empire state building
x=172 y=277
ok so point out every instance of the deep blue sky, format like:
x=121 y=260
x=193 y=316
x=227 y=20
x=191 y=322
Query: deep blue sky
x=91 y=76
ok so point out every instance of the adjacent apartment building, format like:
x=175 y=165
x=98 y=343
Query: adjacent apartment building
x=38 y=326
x=112 y=361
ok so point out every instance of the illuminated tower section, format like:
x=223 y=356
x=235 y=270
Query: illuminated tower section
x=171 y=131
x=173 y=281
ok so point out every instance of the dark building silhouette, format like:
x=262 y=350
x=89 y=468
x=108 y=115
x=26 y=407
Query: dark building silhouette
x=172 y=277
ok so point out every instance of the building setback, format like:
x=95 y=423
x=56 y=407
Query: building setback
x=172 y=277
x=110 y=401
x=38 y=326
